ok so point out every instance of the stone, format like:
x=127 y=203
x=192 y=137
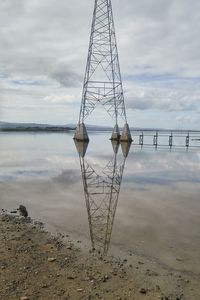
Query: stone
x=71 y=277
x=51 y=259
x=143 y=291
x=23 y=211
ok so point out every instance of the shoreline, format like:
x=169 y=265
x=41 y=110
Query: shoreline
x=36 y=265
x=37 y=129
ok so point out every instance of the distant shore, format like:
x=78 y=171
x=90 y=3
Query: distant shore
x=37 y=129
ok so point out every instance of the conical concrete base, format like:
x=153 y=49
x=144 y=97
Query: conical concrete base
x=115 y=134
x=126 y=134
x=125 y=148
x=115 y=145
x=81 y=147
x=81 y=133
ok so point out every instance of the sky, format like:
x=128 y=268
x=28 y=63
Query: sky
x=43 y=51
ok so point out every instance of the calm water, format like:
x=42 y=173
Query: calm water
x=146 y=202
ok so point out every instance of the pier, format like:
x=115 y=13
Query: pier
x=166 y=138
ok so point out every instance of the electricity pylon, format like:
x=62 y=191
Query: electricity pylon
x=101 y=189
x=102 y=82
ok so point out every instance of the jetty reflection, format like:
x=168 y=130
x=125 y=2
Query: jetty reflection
x=101 y=189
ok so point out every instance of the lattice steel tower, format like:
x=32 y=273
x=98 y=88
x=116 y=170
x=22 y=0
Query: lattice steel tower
x=101 y=189
x=102 y=82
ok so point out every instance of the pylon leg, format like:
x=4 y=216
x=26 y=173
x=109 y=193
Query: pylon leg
x=81 y=133
x=126 y=134
x=115 y=134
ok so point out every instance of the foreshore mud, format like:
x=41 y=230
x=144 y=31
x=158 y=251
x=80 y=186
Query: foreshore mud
x=36 y=265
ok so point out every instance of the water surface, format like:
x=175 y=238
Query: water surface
x=146 y=202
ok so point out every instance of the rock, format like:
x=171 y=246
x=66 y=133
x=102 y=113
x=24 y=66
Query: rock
x=79 y=290
x=179 y=259
x=143 y=291
x=51 y=259
x=158 y=288
x=24 y=298
x=105 y=278
x=71 y=277
x=23 y=211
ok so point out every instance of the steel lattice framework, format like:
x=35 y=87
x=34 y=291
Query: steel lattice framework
x=102 y=82
x=101 y=191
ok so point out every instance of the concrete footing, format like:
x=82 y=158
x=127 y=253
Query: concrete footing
x=115 y=145
x=81 y=147
x=126 y=134
x=115 y=134
x=81 y=133
x=125 y=146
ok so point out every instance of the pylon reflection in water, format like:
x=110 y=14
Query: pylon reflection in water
x=101 y=189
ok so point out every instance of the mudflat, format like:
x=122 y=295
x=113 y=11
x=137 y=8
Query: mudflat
x=36 y=265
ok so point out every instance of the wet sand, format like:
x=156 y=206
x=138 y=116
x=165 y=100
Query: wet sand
x=36 y=265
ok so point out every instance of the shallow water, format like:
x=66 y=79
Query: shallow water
x=147 y=203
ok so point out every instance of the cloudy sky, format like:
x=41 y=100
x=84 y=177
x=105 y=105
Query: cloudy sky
x=43 y=50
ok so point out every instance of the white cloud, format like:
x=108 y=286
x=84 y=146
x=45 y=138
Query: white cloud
x=47 y=41
x=61 y=99
x=179 y=98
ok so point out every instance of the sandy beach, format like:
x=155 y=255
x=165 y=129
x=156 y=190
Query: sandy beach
x=36 y=265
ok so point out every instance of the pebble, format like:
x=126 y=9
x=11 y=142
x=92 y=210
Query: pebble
x=70 y=277
x=179 y=259
x=51 y=259
x=143 y=291
x=106 y=277
x=79 y=290
x=24 y=298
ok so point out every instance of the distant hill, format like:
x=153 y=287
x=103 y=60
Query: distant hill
x=5 y=126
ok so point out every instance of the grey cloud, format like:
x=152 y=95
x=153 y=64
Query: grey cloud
x=37 y=35
x=144 y=97
x=169 y=43
x=68 y=177
x=66 y=77
x=49 y=39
